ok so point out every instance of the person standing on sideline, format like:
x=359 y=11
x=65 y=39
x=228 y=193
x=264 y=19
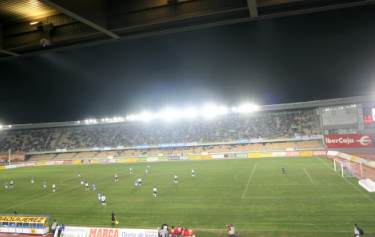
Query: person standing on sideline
x=231 y=230
x=114 y=219
x=53 y=226
x=358 y=231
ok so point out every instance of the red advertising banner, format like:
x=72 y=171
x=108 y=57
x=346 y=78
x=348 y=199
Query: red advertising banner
x=348 y=141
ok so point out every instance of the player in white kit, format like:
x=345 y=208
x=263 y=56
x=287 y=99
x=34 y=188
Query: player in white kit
x=87 y=186
x=175 y=179
x=155 y=192
x=193 y=173
x=104 y=200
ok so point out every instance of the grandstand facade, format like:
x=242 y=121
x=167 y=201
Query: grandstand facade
x=282 y=127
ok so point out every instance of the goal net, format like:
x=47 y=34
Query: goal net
x=344 y=168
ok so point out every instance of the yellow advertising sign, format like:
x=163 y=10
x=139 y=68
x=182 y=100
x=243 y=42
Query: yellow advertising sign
x=305 y=153
x=259 y=155
x=76 y=162
x=195 y=157
x=41 y=163
x=24 y=219
x=206 y=157
x=122 y=161
x=132 y=160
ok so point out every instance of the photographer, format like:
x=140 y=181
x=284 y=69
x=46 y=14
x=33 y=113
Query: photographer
x=358 y=232
x=231 y=231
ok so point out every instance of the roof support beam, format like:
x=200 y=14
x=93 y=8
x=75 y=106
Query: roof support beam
x=10 y=53
x=253 y=9
x=3 y=51
x=88 y=12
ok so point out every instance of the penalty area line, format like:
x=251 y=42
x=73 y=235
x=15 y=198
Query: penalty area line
x=248 y=181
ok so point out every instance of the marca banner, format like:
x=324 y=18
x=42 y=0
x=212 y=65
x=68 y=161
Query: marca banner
x=348 y=141
x=71 y=231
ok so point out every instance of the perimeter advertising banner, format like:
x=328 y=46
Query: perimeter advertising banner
x=24 y=219
x=348 y=141
x=71 y=231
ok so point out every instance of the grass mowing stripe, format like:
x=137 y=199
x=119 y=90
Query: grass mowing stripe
x=278 y=206
x=43 y=194
x=32 y=198
x=349 y=183
x=248 y=182
x=308 y=175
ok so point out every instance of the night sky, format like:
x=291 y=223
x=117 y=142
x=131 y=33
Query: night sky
x=291 y=59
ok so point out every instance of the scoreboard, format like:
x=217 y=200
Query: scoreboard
x=344 y=116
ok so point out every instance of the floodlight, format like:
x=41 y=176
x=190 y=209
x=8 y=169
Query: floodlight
x=211 y=110
x=131 y=117
x=246 y=108
x=145 y=116
x=190 y=113
x=169 y=114
x=90 y=121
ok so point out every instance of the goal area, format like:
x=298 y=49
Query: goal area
x=345 y=169
x=352 y=166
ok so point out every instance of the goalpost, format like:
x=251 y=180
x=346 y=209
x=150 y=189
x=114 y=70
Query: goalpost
x=345 y=168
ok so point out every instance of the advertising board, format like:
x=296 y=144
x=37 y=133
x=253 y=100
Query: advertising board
x=348 y=141
x=73 y=231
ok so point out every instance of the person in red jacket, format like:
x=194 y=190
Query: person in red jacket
x=190 y=232
x=178 y=231
x=172 y=232
x=185 y=232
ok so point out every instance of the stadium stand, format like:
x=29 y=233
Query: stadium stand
x=230 y=128
x=154 y=152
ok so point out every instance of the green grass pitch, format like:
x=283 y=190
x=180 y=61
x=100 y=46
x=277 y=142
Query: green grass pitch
x=311 y=200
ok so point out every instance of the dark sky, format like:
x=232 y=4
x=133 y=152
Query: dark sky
x=291 y=59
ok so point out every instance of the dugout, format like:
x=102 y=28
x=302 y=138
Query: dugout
x=24 y=224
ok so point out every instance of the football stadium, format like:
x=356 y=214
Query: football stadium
x=302 y=169
x=238 y=118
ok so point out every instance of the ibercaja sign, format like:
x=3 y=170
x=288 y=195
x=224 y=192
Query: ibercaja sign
x=348 y=141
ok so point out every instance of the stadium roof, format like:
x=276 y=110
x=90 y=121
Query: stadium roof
x=273 y=107
x=34 y=26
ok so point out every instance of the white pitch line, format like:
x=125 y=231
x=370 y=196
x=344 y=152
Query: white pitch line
x=308 y=175
x=248 y=182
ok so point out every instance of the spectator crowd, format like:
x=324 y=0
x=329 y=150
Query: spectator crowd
x=229 y=128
